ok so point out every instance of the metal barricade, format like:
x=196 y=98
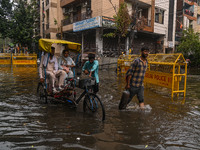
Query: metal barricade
x=165 y=70
x=24 y=59
x=5 y=58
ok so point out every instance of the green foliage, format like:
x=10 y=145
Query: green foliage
x=23 y=22
x=109 y=35
x=190 y=46
x=55 y=21
x=19 y=21
x=5 y=15
x=122 y=20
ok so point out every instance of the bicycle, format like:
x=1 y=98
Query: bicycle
x=91 y=102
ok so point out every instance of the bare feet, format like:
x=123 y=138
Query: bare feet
x=141 y=105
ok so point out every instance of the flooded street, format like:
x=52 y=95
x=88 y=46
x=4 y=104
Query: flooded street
x=27 y=124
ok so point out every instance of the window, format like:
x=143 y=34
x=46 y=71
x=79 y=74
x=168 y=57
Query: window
x=159 y=15
x=198 y=19
x=191 y=24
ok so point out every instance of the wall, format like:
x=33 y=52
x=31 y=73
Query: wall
x=96 y=7
x=108 y=9
x=162 y=28
x=146 y=1
x=196 y=26
x=103 y=7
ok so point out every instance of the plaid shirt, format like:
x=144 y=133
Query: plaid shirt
x=137 y=70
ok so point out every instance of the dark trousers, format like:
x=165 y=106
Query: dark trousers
x=95 y=88
x=139 y=91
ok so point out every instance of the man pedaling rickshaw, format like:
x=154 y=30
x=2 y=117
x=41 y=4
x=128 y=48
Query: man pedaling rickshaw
x=91 y=68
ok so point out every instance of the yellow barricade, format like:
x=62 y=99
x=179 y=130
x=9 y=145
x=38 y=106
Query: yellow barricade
x=165 y=70
x=24 y=59
x=5 y=58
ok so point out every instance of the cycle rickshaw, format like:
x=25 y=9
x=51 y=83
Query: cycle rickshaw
x=91 y=102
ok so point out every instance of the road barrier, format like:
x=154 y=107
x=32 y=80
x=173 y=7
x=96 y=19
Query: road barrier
x=24 y=59
x=165 y=70
x=5 y=58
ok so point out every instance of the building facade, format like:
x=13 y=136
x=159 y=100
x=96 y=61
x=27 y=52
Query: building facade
x=188 y=15
x=86 y=22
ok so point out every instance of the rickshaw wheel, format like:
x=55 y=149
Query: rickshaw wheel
x=93 y=105
x=42 y=93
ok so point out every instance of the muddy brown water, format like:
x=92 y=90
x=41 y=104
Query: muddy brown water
x=27 y=124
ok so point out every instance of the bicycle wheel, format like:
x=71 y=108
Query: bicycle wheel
x=93 y=105
x=42 y=93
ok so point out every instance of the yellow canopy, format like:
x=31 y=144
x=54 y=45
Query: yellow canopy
x=45 y=44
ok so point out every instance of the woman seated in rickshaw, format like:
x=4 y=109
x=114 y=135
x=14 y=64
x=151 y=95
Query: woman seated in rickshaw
x=66 y=63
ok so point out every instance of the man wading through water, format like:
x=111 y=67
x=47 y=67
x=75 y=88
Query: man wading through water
x=135 y=76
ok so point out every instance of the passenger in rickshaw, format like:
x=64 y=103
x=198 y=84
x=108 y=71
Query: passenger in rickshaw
x=66 y=63
x=50 y=63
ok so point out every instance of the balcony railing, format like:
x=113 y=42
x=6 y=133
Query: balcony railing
x=76 y=18
x=143 y=22
x=66 y=22
x=147 y=22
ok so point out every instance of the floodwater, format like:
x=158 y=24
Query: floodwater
x=163 y=125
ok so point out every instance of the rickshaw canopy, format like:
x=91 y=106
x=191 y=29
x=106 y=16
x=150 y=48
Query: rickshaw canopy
x=45 y=44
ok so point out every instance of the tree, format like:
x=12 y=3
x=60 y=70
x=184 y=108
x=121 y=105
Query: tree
x=24 y=20
x=127 y=24
x=122 y=23
x=190 y=46
x=5 y=16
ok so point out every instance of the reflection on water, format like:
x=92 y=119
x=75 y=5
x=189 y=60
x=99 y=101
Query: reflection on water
x=27 y=124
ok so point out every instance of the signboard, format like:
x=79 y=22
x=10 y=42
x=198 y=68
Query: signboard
x=87 y=24
x=159 y=78
x=108 y=22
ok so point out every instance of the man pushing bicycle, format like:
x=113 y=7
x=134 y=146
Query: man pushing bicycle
x=91 y=68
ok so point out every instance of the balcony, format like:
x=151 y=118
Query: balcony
x=76 y=18
x=189 y=14
x=66 y=22
x=146 y=25
x=66 y=2
x=191 y=2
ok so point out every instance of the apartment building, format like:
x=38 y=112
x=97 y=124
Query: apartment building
x=188 y=15
x=86 y=21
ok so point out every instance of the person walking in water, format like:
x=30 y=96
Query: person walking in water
x=135 y=76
